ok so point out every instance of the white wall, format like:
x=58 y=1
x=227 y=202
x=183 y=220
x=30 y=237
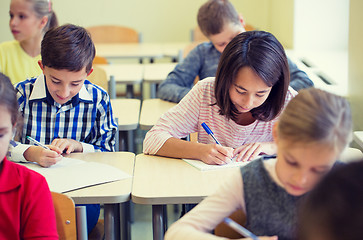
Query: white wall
x=158 y=20
x=321 y=24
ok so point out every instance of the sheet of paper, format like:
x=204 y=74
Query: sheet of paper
x=70 y=174
x=206 y=167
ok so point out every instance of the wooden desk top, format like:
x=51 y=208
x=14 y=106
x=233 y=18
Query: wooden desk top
x=127 y=111
x=129 y=50
x=151 y=111
x=157 y=72
x=160 y=180
x=124 y=73
x=113 y=192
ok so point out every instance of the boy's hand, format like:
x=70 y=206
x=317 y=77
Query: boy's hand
x=250 y=151
x=67 y=145
x=42 y=156
x=215 y=154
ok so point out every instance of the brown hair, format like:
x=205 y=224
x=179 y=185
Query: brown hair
x=214 y=15
x=44 y=8
x=68 y=47
x=264 y=54
x=334 y=209
x=8 y=97
x=315 y=116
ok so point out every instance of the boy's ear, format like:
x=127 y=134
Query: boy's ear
x=41 y=65
x=90 y=72
x=274 y=132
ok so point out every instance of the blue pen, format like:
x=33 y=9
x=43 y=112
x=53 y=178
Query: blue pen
x=35 y=142
x=209 y=132
x=241 y=230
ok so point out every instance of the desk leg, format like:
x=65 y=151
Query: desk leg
x=130 y=140
x=158 y=222
x=125 y=225
x=112 y=221
x=152 y=90
x=129 y=91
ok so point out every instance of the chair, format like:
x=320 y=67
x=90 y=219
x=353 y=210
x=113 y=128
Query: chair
x=99 y=77
x=71 y=220
x=99 y=60
x=223 y=230
x=114 y=34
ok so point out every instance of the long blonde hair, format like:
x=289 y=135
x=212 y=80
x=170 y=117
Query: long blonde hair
x=316 y=116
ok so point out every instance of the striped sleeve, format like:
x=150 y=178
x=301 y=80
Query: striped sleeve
x=178 y=122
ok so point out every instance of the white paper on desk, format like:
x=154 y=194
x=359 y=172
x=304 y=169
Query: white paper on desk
x=70 y=174
x=206 y=167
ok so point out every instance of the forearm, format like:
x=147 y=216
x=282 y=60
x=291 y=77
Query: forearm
x=178 y=148
x=172 y=92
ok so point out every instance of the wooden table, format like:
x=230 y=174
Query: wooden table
x=127 y=112
x=115 y=195
x=155 y=74
x=128 y=74
x=159 y=181
x=151 y=111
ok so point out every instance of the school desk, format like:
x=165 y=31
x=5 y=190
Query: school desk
x=155 y=74
x=174 y=50
x=115 y=195
x=151 y=110
x=159 y=181
x=129 y=50
x=128 y=74
x=127 y=111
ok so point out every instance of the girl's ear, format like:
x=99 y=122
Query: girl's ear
x=43 y=22
x=275 y=132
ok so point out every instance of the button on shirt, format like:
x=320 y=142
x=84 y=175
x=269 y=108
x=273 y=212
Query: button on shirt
x=86 y=118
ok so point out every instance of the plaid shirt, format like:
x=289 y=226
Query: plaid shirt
x=86 y=118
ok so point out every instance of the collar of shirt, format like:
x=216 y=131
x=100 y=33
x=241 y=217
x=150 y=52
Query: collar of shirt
x=40 y=92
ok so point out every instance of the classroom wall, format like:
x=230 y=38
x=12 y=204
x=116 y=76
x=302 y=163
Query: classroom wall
x=160 y=20
x=356 y=62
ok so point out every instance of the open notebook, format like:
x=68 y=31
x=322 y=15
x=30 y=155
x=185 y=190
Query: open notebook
x=70 y=174
x=206 y=167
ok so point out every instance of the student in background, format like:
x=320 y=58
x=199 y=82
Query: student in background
x=334 y=209
x=240 y=105
x=29 y=20
x=26 y=206
x=220 y=22
x=310 y=135
x=60 y=108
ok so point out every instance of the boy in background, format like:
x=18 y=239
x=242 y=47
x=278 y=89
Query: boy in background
x=220 y=22
x=60 y=108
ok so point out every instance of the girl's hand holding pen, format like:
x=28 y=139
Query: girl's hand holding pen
x=215 y=154
x=44 y=157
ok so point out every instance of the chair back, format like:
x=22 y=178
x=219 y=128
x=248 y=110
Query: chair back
x=223 y=230
x=99 y=77
x=113 y=34
x=65 y=216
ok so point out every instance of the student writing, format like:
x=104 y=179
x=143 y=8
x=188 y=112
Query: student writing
x=62 y=109
x=240 y=104
x=220 y=22
x=29 y=20
x=26 y=206
x=311 y=133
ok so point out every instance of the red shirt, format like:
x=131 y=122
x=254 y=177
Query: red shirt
x=26 y=206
